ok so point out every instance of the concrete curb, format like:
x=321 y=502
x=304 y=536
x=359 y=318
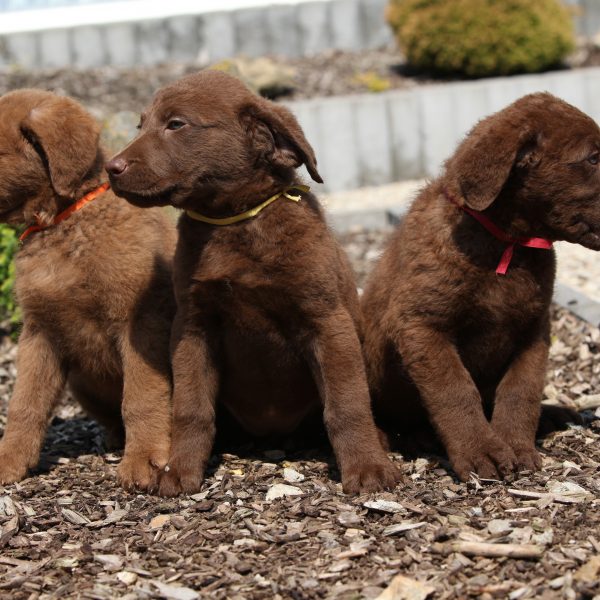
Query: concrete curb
x=373 y=139
x=124 y=34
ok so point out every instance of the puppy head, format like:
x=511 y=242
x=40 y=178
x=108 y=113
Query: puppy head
x=48 y=151
x=538 y=159
x=206 y=137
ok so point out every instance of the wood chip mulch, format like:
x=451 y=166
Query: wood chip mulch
x=273 y=523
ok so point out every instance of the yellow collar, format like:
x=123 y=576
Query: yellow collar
x=253 y=211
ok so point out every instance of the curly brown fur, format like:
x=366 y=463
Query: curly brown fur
x=446 y=338
x=267 y=312
x=95 y=291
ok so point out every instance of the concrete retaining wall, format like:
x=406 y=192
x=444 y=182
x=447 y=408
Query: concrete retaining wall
x=374 y=139
x=296 y=28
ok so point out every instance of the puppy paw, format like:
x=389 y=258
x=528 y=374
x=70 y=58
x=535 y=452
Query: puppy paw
x=139 y=470
x=488 y=457
x=371 y=476
x=528 y=458
x=180 y=477
x=12 y=466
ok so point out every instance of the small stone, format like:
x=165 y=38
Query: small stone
x=127 y=577
x=498 y=526
x=292 y=476
x=386 y=506
x=280 y=490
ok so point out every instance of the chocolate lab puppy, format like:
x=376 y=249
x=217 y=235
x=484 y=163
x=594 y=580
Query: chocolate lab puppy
x=457 y=309
x=267 y=310
x=93 y=282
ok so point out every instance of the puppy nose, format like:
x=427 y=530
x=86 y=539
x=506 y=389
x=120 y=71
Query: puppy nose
x=116 y=166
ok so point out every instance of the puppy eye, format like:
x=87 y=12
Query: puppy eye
x=594 y=159
x=175 y=124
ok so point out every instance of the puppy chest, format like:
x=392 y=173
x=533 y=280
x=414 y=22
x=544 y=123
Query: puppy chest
x=266 y=383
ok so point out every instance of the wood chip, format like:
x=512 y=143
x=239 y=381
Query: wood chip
x=490 y=550
x=404 y=588
x=403 y=527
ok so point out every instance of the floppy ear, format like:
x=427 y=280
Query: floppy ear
x=275 y=132
x=66 y=137
x=483 y=162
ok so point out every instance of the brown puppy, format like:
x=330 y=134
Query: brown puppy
x=446 y=337
x=267 y=310
x=94 y=289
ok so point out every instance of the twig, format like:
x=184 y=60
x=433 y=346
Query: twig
x=490 y=550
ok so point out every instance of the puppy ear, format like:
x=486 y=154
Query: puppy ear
x=66 y=137
x=483 y=162
x=276 y=134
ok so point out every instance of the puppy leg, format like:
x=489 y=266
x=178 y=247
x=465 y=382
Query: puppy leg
x=340 y=374
x=146 y=406
x=40 y=381
x=453 y=403
x=195 y=381
x=518 y=400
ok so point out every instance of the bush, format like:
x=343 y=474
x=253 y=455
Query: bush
x=479 y=38
x=9 y=243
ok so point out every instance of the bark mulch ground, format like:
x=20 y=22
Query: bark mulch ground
x=70 y=532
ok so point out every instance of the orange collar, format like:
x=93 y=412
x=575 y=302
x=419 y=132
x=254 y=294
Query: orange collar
x=65 y=214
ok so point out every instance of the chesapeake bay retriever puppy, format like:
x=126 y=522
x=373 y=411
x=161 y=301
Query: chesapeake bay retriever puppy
x=457 y=309
x=93 y=282
x=267 y=310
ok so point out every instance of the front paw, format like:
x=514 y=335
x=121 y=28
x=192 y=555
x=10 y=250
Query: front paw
x=528 y=458
x=13 y=466
x=180 y=477
x=487 y=456
x=139 y=469
x=370 y=476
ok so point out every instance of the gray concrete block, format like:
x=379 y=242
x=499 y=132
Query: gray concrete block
x=376 y=32
x=471 y=103
x=307 y=115
x=152 y=41
x=22 y=49
x=404 y=115
x=501 y=92
x=219 y=36
x=373 y=139
x=314 y=27
x=55 y=48
x=121 y=44
x=89 y=47
x=591 y=83
x=183 y=39
x=283 y=33
x=345 y=24
x=570 y=87
x=578 y=303
x=439 y=133
x=251 y=31
x=338 y=148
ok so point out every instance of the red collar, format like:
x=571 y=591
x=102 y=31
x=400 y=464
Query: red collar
x=511 y=242
x=67 y=212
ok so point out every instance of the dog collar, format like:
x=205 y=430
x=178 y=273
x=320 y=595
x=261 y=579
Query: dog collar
x=67 y=212
x=253 y=211
x=511 y=242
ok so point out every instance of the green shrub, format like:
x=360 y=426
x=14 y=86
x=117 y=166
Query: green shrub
x=9 y=243
x=479 y=38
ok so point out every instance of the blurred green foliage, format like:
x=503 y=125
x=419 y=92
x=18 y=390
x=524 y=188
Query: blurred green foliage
x=479 y=38
x=9 y=243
